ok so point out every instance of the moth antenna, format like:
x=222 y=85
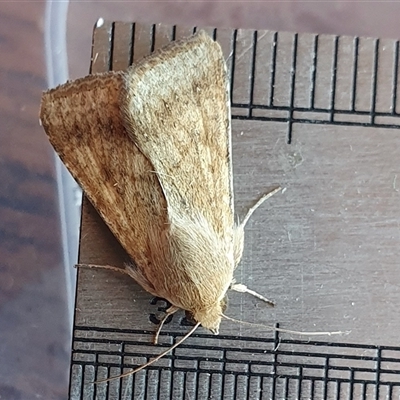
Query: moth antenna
x=180 y=341
x=171 y=310
x=275 y=329
x=264 y=197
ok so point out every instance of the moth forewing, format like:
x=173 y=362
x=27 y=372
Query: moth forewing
x=83 y=122
x=175 y=109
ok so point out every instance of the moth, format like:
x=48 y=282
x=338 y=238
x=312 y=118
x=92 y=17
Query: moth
x=151 y=148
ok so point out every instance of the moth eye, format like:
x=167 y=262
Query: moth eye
x=189 y=319
x=224 y=303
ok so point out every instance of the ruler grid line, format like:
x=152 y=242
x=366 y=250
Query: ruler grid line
x=355 y=71
x=280 y=365
x=374 y=81
x=273 y=68
x=293 y=88
x=314 y=70
x=252 y=74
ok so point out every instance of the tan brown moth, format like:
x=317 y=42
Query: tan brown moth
x=151 y=148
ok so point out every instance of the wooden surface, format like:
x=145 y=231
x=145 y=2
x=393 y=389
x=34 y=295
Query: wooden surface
x=34 y=327
x=317 y=115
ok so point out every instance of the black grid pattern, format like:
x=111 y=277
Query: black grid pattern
x=309 y=112
x=229 y=367
x=333 y=114
x=294 y=109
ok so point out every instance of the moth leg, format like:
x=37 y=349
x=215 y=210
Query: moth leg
x=239 y=287
x=170 y=311
x=238 y=234
x=238 y=242
x=129 y=270
x=109 y=267
x=258 y=204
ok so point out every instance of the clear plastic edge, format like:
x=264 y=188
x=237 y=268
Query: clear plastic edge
x=68 y=191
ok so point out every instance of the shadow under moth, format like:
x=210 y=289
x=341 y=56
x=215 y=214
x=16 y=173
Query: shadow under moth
x=151 y=148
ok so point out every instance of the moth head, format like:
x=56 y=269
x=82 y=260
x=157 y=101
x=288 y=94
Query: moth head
x=210 y=318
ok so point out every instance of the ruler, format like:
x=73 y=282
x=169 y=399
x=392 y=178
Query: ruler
x=316 y=114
